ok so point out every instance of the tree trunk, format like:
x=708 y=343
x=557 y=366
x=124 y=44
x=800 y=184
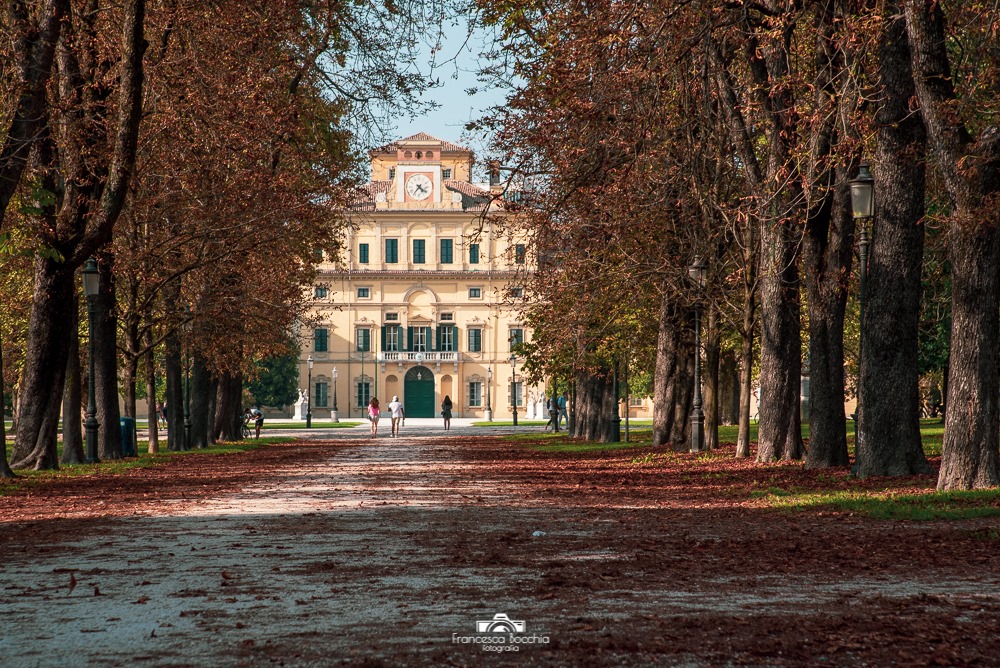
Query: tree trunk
x=228 y=407
x=72 y=430
x=746 y=374
x=152 y=416
x=713 y=341
x=44 y=365
x=729 y=389
x=663 y=374
x=680 y=440
x=970 y=171
x=827 y=252
x=595 y=406
x=175 y=392
x=106 y=364
x=889 y=428
x=779 y=431
x=34 y=46
x=213 y=396
x=200 y=386
x=5 y=470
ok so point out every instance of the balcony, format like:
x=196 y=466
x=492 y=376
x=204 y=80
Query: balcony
x=432 y=357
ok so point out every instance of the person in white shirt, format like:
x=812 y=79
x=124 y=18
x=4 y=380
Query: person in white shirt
x=398 y=415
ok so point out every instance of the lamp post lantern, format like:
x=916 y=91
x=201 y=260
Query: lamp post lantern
x=863 y=212
x=513 y=387
x=489 y=381
x=334 y=416
x=91 y=288
x=309 y=401
x=698 y=271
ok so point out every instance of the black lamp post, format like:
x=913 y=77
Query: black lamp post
x=336 y=418
x=513 y=387
x=91 y=288
x=863 y=211
x=309 y=384
x=489 y=381
x=698 y=272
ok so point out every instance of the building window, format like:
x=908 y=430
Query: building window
x=447 y=248
x=390 y=338
x=419 y=251
x=519 y=254
x=392 y=250
x=364 y=293
x=516 y=337
x=518 y=388
x=473 y=253
x=317 y=254
x=320 y=395
x=392 y=316
x=419 y=340
x=319 y=292
x=516 y=293
x=447 y=316
x=475 y=293
x=445 y=173
x=363 y=253
x=446 y=338
x=364 y=337
x=320 y=340
x=392 y=173
x=636 y=402
x=363 y=393
x=475 y=340
x=475 y=394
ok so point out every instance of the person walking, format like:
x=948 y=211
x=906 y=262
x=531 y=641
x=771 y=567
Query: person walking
x=258 y=420
x=373 y=412
x=446 y=412
x=553 y=413
x=563 y=414
x=397 y=415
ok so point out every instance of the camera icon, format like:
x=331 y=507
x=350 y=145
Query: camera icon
x=501 y=623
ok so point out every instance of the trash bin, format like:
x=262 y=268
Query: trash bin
x=128 y=437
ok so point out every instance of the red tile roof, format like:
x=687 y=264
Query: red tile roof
x=420 y=137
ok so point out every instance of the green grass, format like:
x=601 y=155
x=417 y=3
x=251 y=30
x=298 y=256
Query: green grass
x=510 y=423
x=316 y=424
x=27 y=478
x=889 y=505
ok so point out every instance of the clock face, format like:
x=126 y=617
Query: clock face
x=418 y=187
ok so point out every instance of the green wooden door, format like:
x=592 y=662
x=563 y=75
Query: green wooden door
x=418 y=392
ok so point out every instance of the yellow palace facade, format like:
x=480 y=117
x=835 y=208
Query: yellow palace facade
x=418 y=306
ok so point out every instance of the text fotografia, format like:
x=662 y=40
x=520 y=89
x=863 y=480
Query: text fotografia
x=500 y=634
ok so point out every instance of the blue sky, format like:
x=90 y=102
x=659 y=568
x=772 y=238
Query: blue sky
x=455 y=69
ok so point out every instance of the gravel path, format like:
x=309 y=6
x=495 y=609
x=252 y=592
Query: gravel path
x=390 y=552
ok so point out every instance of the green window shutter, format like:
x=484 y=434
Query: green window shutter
x=454 y=338
x=447 y=256
x=409 y=340
x=473 y=253
x=437 y=338
x=363 y=253
x=383 y=337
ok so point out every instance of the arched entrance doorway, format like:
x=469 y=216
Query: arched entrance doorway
x=418 y=392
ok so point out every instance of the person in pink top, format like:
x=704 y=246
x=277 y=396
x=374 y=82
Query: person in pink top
x=373 y=412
